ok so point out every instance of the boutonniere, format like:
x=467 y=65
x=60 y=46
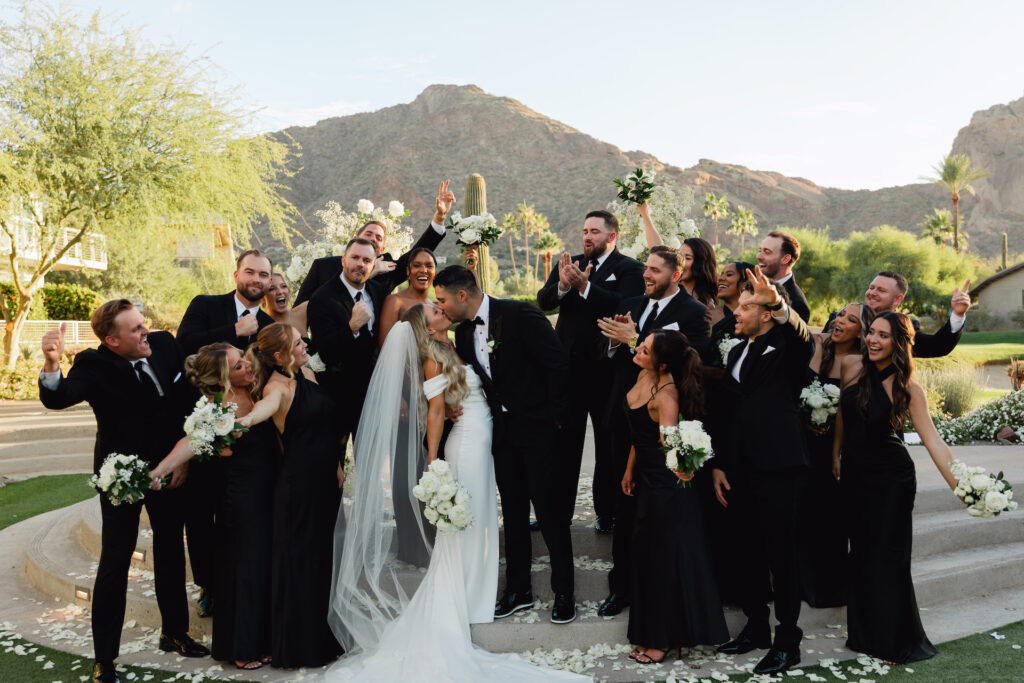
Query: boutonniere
x=492 y=345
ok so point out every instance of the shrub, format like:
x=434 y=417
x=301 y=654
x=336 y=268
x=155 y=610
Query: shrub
x=22 y=383
x=983 y=423
x=957 y=385
x=69 y=302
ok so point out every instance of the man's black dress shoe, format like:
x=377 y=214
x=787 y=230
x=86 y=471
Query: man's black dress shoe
x=534 y=525
x=204 y=606
x=104 y=673
x=564 y=610
x=605 y=525
x=511 y=603
x=748 y=639
x=183 y=645
x=777 y=660
x=612 y=605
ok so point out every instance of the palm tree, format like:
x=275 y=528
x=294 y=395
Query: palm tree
x=938 y=226
x=546 y=245
x=743 y=223
x=716 y=207
x=956 y=175
x=526 y=218
x=510 y=227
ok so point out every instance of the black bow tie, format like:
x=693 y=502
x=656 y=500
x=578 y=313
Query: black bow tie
x=477 y=321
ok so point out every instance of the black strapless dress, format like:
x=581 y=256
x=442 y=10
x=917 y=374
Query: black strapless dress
x=241 y=623
x=675 y=599
x=878 y=484
x=823 y=552
x=306 y=502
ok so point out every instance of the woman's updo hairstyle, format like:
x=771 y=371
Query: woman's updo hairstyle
x=208 y=369
x=272 y=339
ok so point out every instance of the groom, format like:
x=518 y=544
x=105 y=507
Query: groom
x=524 y=372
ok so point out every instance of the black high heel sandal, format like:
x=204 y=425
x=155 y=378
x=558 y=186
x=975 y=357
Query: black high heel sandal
x=651 y=660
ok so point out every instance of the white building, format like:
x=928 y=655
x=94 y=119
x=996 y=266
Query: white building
x=1002 y=293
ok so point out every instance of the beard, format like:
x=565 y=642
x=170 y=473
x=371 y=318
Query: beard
x=658 y=291
x=771 y=270
x=251 y=292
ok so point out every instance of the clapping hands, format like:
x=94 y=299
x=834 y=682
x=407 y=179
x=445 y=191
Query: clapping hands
x=619 y=329
x=570 y=276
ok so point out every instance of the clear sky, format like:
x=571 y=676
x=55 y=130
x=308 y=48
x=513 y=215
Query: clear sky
x=847 y=94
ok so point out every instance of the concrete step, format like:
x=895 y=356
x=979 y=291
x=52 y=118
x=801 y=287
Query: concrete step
x=49 y=446
x=46 y=428
x=47 y=464
x=938 y=532
x=969 y=572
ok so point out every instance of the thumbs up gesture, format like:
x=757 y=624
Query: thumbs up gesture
x=53 y=348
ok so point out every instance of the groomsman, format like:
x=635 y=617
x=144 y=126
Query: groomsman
x=664 y=306
x=386 y=272
x=763 y=473
x=235 y=318
x=524 y=372
x=140 y=399
x=585 y=288
x=778 y=254
x=887 y=291
x=343 y=318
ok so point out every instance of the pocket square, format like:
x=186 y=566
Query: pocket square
x=671 y=326
x=611 y=278
x=768 y=349
x=176 y=378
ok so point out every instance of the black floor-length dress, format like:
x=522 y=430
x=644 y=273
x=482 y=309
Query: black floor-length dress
x=241 y=623
x=675 y=598
x=306 y=501
x=823 y=552
x=879 y=484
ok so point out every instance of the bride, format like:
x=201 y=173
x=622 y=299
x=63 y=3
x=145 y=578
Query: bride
x=391 y=628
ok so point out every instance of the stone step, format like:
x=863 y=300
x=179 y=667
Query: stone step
x=44 y=429
x=938 y=532
x=59 y=463
x=963 y=573
x=50 y=446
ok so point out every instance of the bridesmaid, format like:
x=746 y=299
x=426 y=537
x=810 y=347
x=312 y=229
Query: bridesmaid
x=277 y=302
x=306 y=500
x=241 y=625
x=700 y=268
x=823 y=562
x=421 y=269
x=723 y=322
x=675 y=598
x=878 y=484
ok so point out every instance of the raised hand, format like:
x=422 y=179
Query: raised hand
x=382 y=266
x=619 y=329
x=961 y=299
x=765 y=293
x=360 y=316
x=443 y=203
x=471 y=257
x=247 y=326
x=578 y=279
x=564 y=261
x=53 y=348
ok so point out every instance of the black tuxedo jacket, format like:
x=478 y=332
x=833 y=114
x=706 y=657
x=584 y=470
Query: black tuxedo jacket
x=211 y=318
x=529 y=367
x=618 y=278
x=130 y=419
x=328 y=268
x=764 y=429
x=797 y=300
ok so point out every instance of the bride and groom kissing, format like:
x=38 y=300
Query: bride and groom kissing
x=508 y=372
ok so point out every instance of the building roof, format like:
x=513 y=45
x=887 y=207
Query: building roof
x=1009 y=270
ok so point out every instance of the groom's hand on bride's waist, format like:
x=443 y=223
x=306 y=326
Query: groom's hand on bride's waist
x=452 y=413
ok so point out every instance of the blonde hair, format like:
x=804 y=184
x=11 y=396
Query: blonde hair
x=209 y=371
x=275 y=338
x=442 y=354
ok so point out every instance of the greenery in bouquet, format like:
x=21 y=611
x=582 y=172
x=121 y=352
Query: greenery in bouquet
x=212 y=427
x=474 y=231
x=687 y=447
x=671 y=206
x=637 y=187
x=122 y=478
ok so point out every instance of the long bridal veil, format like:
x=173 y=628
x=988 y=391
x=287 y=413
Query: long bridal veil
x=384 y=520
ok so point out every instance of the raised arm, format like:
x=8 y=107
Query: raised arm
x=941 y=455
x=650 y=232
x=266 y=408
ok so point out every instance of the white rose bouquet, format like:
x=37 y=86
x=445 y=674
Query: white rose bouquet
x=316 y=364
x=687 y=447
x=446 y=500
x=474 y=230
x=122 y=478
x=819 y=403
x=212 y=426
x=637 y=188
x=725 y=346
x=986 y=495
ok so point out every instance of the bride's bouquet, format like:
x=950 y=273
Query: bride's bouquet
x=637 y=188
x=986 y=495
x=212 y=426
x=474 y=230
x=447 y=501
x=725 y=346
x=687 y=447
x=122 y=478
x=819 y=402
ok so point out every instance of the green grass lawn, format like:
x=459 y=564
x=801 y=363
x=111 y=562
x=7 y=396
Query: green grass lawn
x=24 y=499
x=1004 y=337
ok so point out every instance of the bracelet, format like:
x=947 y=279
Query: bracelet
x=633 y=341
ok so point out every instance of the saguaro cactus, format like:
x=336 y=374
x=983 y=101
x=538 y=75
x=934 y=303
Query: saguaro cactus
x=475 y=204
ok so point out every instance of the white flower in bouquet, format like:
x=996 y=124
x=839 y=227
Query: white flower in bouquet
x=819 y=416
x=430 y=482
x=224 y=424
x=440 y=467
x=996 y=501
x=469 y=236
x=462 y=497
x=419 y=493
x=725 y=346
x=986 y=495
x=444 y=507
x=364 y=206
x=687 y=447
x=981 y=482
x=460 y=515
x=447 y=490
x=431 y=515
x=316 y=364
x=396 y=209
x=817 y=404
x=211 y=426
x=122 y=478
x=446 y=501
x=831 y=390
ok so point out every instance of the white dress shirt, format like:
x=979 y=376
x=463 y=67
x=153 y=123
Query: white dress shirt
x=366 y=298
x=586 y=290
x=241 y=308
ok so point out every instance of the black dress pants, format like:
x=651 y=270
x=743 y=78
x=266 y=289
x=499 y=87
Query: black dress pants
x=593 y=402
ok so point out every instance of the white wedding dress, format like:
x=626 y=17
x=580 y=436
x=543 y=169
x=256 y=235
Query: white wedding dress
x=427 y=637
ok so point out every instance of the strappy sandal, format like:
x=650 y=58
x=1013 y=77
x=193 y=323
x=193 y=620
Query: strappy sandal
x=635 y=653
x=250 y=666
x=651 y=660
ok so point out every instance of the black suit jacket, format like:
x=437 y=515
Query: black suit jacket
x=618 y=278
x=130 y=419
x=797 y=300
x=764 y=429
x=211 y=318
x=529 y=367
x=327 y=268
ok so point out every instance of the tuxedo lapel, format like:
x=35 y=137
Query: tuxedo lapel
x=494 y=333
x=753 y=359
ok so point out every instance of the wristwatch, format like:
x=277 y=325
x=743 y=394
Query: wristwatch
x=632 y=341
x=775 y=307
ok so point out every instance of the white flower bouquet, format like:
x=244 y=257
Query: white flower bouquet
x=819 y=402
x=122 y=478
x=474 y=230
x=446 y=500
x=687 y=447
x=986 y=495
x=637 y=188
x=316 y=364
x=725 y=346
x=212 y=426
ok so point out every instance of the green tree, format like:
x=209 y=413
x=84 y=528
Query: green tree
x=547 y=244
x=743 y=223
x=956 y=175
x=716 y=207
x=821 y=266
x=102 y=132
x=524 y=221
x=938 y=227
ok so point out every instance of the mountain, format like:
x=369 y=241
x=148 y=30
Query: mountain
x=448 y=131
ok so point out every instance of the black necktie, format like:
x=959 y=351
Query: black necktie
x=594 y=263
x=145 y=379
x=248 y=337
x=650 y=319
x=359 y=297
